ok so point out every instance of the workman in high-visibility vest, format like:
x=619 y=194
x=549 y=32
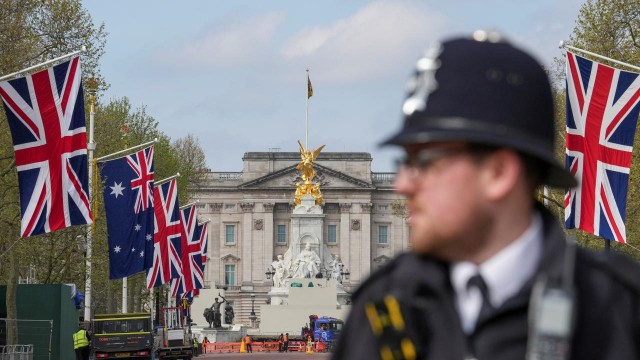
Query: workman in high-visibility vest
x=81 y=343
x=247 y=343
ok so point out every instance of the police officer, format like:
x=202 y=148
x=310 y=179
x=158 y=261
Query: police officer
x=491 y=275
x=81 y=343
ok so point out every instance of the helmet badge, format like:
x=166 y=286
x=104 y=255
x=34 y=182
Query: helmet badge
x=423 y=82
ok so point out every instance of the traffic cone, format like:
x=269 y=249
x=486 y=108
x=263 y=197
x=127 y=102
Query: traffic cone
x=309 y=348
x=243 y=347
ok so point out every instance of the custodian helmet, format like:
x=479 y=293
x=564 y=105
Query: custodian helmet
x=483 y=90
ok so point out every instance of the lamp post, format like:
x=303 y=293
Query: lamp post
x=253 y=316
x=269 y=273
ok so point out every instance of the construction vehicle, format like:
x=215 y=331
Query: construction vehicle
x=172 y=339
x=122 y=336
x=327 y=328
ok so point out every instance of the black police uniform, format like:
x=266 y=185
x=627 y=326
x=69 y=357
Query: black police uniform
x=483 y=90
x=607 y=322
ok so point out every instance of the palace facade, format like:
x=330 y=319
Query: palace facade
x=250 y=221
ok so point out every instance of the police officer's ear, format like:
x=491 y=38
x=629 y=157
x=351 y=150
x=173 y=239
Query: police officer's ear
x=502 y=172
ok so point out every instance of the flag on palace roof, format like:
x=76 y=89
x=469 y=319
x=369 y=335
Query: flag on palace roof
x=45 y=111
x=602 y=112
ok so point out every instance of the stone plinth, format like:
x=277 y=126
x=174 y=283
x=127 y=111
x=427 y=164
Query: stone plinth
x=231 y=334
x=203 y=301
x=307 y=221
x=290 y=307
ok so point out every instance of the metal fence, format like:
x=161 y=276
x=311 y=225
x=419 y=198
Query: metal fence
x=16 y=352
x=37 y=333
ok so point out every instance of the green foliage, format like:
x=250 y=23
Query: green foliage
x=119 y=126
x=33 y=31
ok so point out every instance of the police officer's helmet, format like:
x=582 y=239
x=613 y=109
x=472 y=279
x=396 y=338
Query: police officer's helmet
x=483 y=90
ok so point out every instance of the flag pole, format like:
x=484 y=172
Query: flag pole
x=125 y=280
x=91 y=146
x=306 y=137
x=189 y=204
x=160 y=182
x=19 y=72
x=567 y=46
x=128 y=149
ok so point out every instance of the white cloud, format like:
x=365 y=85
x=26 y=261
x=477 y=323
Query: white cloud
x=374 y=42
x=236 y=44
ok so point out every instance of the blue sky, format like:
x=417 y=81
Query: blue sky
x=232 y=73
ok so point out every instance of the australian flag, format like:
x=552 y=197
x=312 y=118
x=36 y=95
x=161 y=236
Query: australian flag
x=128 y=201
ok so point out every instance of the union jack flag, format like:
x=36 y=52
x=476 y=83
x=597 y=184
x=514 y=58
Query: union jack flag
x=166 y=239
x=602 y=111
x=45 y=111
x=191 y=256
x=188 y=295
x=142 y=164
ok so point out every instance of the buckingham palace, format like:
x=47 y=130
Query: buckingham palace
x=250 y=220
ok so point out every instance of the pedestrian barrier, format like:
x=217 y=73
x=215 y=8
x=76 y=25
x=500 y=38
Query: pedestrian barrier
x=223 y=347
x=258 y=346
x=16 y=352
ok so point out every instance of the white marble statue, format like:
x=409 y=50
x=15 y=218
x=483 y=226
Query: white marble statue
x=307 y=264
x=280 y=273
x=336 y=269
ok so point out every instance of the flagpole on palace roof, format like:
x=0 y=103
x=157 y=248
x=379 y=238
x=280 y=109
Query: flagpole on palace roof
x=309 y=94
x=20 y=72
x=564 y=45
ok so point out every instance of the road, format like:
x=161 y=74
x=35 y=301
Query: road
x=266 y=355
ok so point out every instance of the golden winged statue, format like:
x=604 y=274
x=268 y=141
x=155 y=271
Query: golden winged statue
x=306 y=167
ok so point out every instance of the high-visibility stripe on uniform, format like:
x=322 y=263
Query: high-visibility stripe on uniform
x=80 y=339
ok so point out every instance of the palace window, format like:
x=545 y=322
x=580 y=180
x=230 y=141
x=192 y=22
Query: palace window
x=383 y=234
x=230 y=274
x=281 y=234
x=230 y=234
x=332 y=234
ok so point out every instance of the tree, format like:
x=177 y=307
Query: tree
x=33 y=31
x=192 y=160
